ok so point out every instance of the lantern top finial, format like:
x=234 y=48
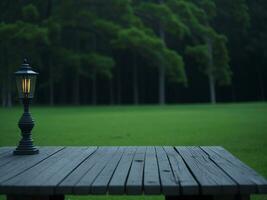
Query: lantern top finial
x=25 y=69
x=25 y=61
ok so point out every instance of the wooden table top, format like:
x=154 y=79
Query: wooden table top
x=128 y=170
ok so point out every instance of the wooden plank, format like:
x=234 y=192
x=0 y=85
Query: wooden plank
x=20 y=164
x=169 y=181
x=100 y=184
x=42 y=178
x=188 y=184
x=249 y=181
x=210 y=177
x=151 y=172
x=4 y=150
x=84 y=184
x=134 y=184
x=118 y=181
x=6 y=155
x=68 y=183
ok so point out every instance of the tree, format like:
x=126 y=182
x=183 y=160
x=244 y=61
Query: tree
x=233 y=20
x=161 y=19
x=208 y=48
x=18 y=38
x=150 y=48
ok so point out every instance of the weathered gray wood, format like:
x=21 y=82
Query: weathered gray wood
x=118 y=181
x=134 y=184
x=248 y=180
x=68 y=183
x=4 y=150
x=169 y=184
x=188 y=184
x=19 y=164
x=210 y=177
x=151 y=172
x=44 y=177
x=84 y=184
x=100 y=184
x=181 y=171
x=6 y=156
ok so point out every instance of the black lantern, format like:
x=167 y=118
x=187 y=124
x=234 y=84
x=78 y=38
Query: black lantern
x=26 y=79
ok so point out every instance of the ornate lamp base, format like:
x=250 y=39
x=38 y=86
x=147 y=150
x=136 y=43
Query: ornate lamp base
x=26 y=124
x=26 y=151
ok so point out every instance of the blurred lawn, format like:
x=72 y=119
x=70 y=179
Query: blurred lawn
x=240 y=128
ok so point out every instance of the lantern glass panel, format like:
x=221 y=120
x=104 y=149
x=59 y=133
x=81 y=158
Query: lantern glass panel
x=26 y=85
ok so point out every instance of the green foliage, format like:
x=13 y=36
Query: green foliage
x=30 y=13
x=153 y=50
x=175 y=66
x=99 y=36
x=98 y=63
x=200 y=55
x=222 y=69
x=155 y=14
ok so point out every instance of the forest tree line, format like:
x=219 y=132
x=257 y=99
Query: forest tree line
x=135 y=51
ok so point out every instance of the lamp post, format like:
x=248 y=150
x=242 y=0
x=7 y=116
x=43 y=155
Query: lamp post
x=26 y=78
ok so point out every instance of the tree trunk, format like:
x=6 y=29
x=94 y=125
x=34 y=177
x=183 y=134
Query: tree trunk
x=76 y=89
x=135 y=82
x=161 y=85
x=111 y=92
x=212 y=88
x=51 y=91
x=212 y=81
x=9 y=91
x=261 y=85
x=161 y=69
x=118 y=85
x=4 y=94
x=94 y=85
x=62 y=93
x=233 y=92
x=51 y=85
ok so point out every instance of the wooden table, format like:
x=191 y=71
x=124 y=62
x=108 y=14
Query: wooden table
x=175 y=172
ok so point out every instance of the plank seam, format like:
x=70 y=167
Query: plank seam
x=177 y=181
x=239 y=189
x=115 y=168
x=103 y=167
x=129 y=172
x=33 y=165
x=76 y=168
x=193 y=175
x=158 y=171
x=143 y=176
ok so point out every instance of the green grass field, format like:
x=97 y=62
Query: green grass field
x=240 y=128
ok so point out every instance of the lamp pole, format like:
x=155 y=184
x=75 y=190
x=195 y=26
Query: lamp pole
x=26 y=84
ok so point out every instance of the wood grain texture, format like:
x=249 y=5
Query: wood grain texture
x=67 y=185
x=84 y=184
x=172 y=171
x=211 y=178
x=119 y=178
x=169 y=181
x=100 y=184
x=44 y=177
x=248 y=180
x=19 y=165
x=151 y=172
x=134 y=184
x=188 y=184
